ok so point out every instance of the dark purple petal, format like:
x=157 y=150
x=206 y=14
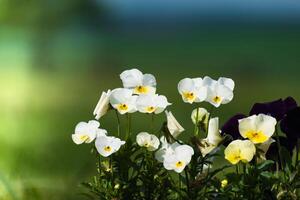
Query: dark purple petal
x=276 y=109
x=273 y=153
x=231 y=127
x=290 y=103
x=290 y=124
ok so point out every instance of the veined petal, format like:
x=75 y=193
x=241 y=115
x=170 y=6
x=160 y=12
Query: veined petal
x=266 y=124
x=184 y=153
x=247 y=151
x=228 y=82
x=186 y=85
x=247 y=124
x=102 y=105
x=213 y=135
x=149 y=80
x=207 y=81
x=145 y=103
x=161 y=104
x=131 y=78
x=225 y=93
x=173 y=125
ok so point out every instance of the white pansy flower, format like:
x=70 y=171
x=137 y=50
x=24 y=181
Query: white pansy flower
x=151 y=103
x=137 y=81
x=257 y=128
x=173 y=125
x=165 y=150
x=219 y=92
x=179 y=159
x=213 y=138
x=240 y=150
x=123 y=100
x=147 y=140
x=86 y=132
x=107 y=145
x=102 y=105
x=192 y=90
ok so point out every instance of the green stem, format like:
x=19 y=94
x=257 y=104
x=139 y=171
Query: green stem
x=128 y=126
x=179 y=183
x=237 y=169
x=187 y=179
x=118 y=120
x=297 y=152
x=279 y=147
x=152 y=123
x=196 y=129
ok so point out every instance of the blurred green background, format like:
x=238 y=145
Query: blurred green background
x=56 y=57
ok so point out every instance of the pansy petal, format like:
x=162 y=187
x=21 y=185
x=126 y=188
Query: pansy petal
x=228 y=82
x=131 y=78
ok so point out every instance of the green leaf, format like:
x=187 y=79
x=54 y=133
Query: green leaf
x=265 y=165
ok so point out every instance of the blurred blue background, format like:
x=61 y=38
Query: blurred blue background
x=56 y=57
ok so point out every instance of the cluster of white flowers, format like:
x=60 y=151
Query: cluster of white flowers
x=86 y=132
x=138 y=94
x=216 y=92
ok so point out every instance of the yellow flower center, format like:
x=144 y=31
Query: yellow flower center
x=217 y=99
x=256 y=136
x=146 y=144
x=84 y=138
x=107 y=148
x=189 y=96
x=123 y=107
x=179 y=164
x=234 y=157
x=141 y=90
x=150 y=109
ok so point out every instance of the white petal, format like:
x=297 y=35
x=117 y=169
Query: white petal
x=207 y=81
x=266 y=124
x=173 y=125
x=149 y=80
x=159 y=155
x=201 y=94
x=213 y=135
x=120 y=95
x=102 y=105
x=228 y=82
x=186 y=85
x=248 y=150
x=101 y=132
x=225 y=93
x=161 y=103
x=144 y=101
x=132 y=78
x=93 y=124
x=76 y=139
x=246 y=125
x=184 y=152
